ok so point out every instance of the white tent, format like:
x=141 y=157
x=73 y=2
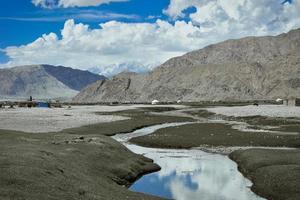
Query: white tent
x=154 y=102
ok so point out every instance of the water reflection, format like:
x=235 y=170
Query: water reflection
x=190 y=174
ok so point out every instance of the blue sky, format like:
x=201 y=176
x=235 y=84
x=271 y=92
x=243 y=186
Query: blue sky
x=25 y=22
x=22 y=22
x=148 y=32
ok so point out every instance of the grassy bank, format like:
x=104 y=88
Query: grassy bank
x=269 y=123
x=275 y=173
x=138 y=118
x=255 y=122
x=79 y=163
x=213 y=134
x=33 y=166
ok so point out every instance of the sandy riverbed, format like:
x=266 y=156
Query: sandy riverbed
x=262 y=110
x=43 y=120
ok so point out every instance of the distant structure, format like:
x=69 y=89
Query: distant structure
x=291 y=102
x=43 y=105
x=154 y=102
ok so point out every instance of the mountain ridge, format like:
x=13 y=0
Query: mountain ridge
x=44 y=81
x=242 y=69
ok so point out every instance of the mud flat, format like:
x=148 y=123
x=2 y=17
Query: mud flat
x=76 y=163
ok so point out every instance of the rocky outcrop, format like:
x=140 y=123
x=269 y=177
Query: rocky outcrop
x=245 y=69
x=44 y=81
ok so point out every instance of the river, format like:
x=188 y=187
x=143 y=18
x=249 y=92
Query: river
x=188 y=174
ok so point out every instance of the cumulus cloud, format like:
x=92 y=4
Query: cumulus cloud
x=237 y=18
x=116 y=46
x=110 y=46
x=71 y=3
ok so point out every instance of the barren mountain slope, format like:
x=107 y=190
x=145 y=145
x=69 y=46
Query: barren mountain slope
x=245 y=69
x=37 y=81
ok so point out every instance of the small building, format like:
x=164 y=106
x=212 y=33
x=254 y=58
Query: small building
x=291 y=102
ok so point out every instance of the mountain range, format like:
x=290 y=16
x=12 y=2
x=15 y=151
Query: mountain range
x=44 y=81
x=242 y=69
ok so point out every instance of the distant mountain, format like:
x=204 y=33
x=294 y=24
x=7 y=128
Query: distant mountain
x=44 y=81
x=244 y=69
x=73 y=78
x=114 y=69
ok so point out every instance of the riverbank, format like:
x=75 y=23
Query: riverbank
x=274 y=172
x=35 y=167
x=76 y=163
x=185 y=170
x=213 y=135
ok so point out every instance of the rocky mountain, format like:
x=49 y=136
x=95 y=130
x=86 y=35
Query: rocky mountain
x=44 y=81
x=244 y=69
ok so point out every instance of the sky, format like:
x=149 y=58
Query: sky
x=111 y=36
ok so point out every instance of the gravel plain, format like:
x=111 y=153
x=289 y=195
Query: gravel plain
x=262 y=110
x=43 y=120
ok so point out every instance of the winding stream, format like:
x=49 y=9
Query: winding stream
x=189 y=174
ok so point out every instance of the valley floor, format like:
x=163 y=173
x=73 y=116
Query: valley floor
x=67 y=154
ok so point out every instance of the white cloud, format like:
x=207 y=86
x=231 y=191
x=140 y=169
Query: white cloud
x=112 y=47
x=71 y=3
x=176 y=7
x=237 y=18
x=115 y=46
x=83 y=15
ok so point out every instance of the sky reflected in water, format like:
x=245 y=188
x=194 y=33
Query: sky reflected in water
x=189 y=174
